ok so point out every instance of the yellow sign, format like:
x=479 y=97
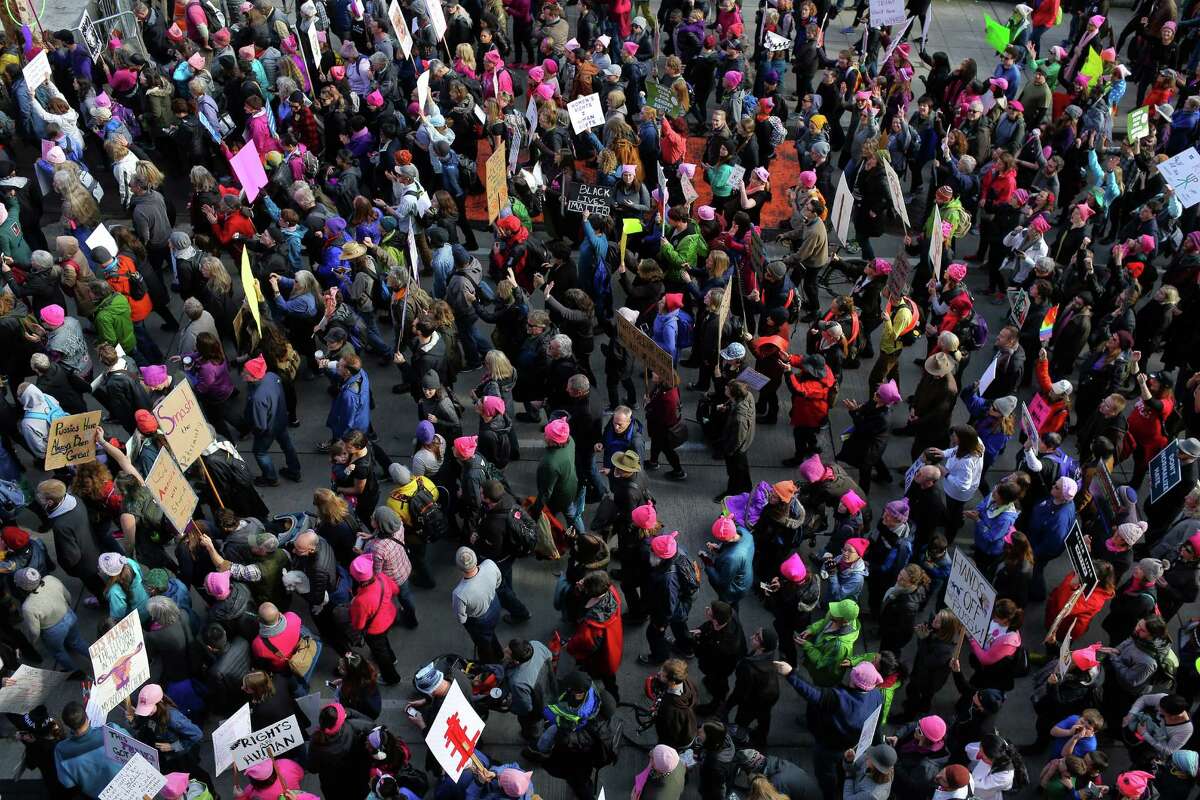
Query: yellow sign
x=181 y=420
x=171 y=491
x=72 y=440
x=495 y=176
x=628 y=225
x=250 y=288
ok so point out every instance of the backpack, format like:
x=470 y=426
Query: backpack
x=521 y=535
x=137 y=285
x=685 y=330
x=1068 y=467
x=1164 y=673
x=428 y=518
x=911 y=334
x=972 y=332
x=689 y=575
x=503 y=454
x=55 y=412
x=12 y=498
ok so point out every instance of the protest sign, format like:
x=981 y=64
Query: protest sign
x=514 y=153
x=774 y=42
x=737 y=175
x=495 y=178
x=689 y=191
x=454 y=732
x=1137 y=124
x=989 y=375
x=137 y=779
x=31 y=688
x=589 y=197
x=1081 y=558
x=72 y=440
x=937 y=243
x=867 y=734
x=181 y=420
x=897 y=38
x=248 y=169
x=100 y=237
x=1018 y=305
x=314 y=43
x=1182 y=173
x=400 y=26
x=37 y=71
x=997 y=34
x=119 y=662
x=437 y=20
x=755 y=380
x=91 y=36
x=1093 y=66
x=758 y=251
x=843 y=210
x=663 y=100
x=628 y=225
x=531 y=115
x=1028 y=427
x=1103 y=492
x=230 y=731
x=646 y=350
x=120 y=747
x=886 y=12
x=896 y=193
x=1165 y=471
x=1039 y=409
x=897 y=281
x=269 y=742
x=970 y=597
x=250 y=290
x=585 y=113
x=171 y=491
x=1064 y=650
x=424 y=96
x=723 y=310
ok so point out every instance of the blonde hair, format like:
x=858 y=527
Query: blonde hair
x=761 y=789
x=717 y=263
x=117 y=148
x=77 y=202
x=606 y=161
x=466 y=54
x=149 y=174
x=497 y=365
x=330 y=506
x=216 y=275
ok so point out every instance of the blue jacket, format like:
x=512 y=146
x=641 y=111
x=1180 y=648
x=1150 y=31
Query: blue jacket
x=303 y=306
x=266 y=409
x=351 y=409
x=81 y=763
x=663 y=599
x=1049 y=525
x=990 y=531
x=994 y=440
x=836 y=716
x=732 y=571
x=666 y=326
x=631 y=439
x=592 y=252
x=333 y=270
x=847 y=585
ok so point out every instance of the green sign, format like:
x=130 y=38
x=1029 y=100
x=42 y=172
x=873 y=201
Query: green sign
x=1137 y=126
x=997 y=35
x=663 y=100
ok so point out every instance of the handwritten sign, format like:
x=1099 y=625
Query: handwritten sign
x=646 y=350
x=135 y=780
x=989 y=375
x=229 y=733
x=37 y=71
x=314 y=43
x=723 y=312
x=585 y=112
x=403 y=34
x=72 y=440
x=31 y=688
x=91 y=36
x=774 y=42
x=268 y=742
x=1081 y=558
x=589 y=197
x=663 y=99
x=495 y=175
x=454 y=732
x=886 y=12
x=1182 y=173
x=121 y=747
x=1165 y=471
x=171 y=491
x=970 y=597
x=1039 y=409
x=843 y=209
x=897 y=283
x=250 y=290
x=689 y=191
x=896 y=192
x=737 y=174
x=119 y=662
x=755 y=380
x=1103 y=493
x=181 y=420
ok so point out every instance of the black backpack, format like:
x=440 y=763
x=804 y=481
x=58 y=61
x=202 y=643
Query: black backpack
x=520 y=537
x=428 y=517
x=689 y=574
x=137 y=285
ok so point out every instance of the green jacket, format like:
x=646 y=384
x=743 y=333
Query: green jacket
x=557 y=483
x=521 y=213
x=12 y=242
x=824 y=652
x=954 y=213
x=690 y=251
x=114 y=324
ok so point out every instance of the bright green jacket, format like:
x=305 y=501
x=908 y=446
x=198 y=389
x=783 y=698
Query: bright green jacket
x=691 y=250
x=824 y=652
x=114 y=324
x=888 y=689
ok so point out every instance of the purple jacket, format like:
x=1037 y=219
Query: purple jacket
x=746 y=508
x=212 y=382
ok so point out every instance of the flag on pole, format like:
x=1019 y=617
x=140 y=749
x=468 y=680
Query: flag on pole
x=1047 y=326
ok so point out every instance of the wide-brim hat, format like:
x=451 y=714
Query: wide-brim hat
x=627 y=461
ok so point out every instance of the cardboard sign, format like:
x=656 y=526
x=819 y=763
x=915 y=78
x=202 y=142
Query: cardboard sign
x=896 y=192
x=1081 y=558
x=269 y=742
x=1137 y=124
x=1165 y=471
x=137 y=779
x=248 y=169
x=663 y=100
x=886 y=12
x=586 y=113
x=119 y=663
x=37 y=71
x=897 y=282
x=646 y=350
x=970 y=597
x=400 y=26
x=1182 y=173
x=937 y=243
x=454 y=732
x=250 y=290
x=121 y=747
x=181 y=420
x=589 y=197
x=723 y=311
x=843 y=210
x=31 y=689
x=72 y=440
x=495 y=176
x=171 y=491
x=100 y=237
x=689 y=191
x=1028 y=427
x=437 y=20
x=230 y=731
x=737 y=175
x=867 y=734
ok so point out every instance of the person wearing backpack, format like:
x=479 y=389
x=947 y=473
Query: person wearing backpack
x=505 y=533
x=557 y=482
x=673 y=326
x=40 y=411
x=495 y=431
x=123 y=278
x=1133 y=666
x=670 y=586
x=372 y=613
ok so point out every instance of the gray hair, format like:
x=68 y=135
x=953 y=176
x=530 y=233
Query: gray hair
x=163 y=610
x=193 y=308
x=302 y=193
x=578 y=384
x=560 y=344
x=201 y=179
x=41 y=259
x=39 y=362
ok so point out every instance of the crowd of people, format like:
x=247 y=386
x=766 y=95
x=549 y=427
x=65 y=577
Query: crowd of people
x=381 y=245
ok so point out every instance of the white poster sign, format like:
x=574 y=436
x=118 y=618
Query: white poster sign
x=970 y=597
x=136 y=780
x=937 y=244
x=897 y=38
x=867 y=734
x=843 y=209
x=314 y=45
x=424 y=96
x=269 y=742
x=1182 y=173
x=886 y=12
x=773 y=42
x=100 y=237
x=437 y=20
x=585 y=112
x=989 y=375
x=454 y=732
x=400 y=26
x=230 y=731
x=120 y=747
x=896 y=192
x=119 y=662
x=737 y=175
x=37 y=71
x=31 y=688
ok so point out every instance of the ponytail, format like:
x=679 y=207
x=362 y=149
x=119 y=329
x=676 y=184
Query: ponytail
x=1005 y=757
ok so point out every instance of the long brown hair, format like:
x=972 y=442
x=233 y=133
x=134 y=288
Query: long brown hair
x=331 y=508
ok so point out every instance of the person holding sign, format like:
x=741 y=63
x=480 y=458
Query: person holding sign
x=156 y=721
x=998 y=665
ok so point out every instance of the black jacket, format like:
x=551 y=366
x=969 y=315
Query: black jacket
x=676 y=723
x=66 y=387
x=757 y=683
x=224 y=674
x=916 y=770
x=321 y=567
x=719 y=650
x=122 y=395
x=492 y=534
x=74 y=542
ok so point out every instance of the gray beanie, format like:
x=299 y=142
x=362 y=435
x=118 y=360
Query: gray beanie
x=882 y=756
x=465 y=559
x=1151 y=568
x=388 y=520
x=399 y=474
x=27 y=579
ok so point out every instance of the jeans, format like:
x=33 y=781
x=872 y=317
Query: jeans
x=505 y=592
x=482 y=631
x=574 y=513
x=147 y=349
x=474 y=343
x=407 y=603
x=450 y=180
x=262 y=444
x=375 y=340
x=62 y=638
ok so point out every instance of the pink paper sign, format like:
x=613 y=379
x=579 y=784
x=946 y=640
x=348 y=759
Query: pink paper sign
x=1039 y=409
x=248 y=169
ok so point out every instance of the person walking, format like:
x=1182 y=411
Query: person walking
x=476 y=603
x=372 y=613
x=267 y=419
x=46 y=613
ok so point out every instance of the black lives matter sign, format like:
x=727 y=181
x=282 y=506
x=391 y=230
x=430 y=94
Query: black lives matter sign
x=583 y=197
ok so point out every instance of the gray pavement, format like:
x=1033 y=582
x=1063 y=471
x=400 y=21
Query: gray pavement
x=957 y=29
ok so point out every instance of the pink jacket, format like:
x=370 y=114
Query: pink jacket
x=258 y=128
x=1002 y=646
x=500 y=79
x=286 y=770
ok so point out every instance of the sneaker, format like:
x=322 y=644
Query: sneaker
x=293 y=423
x=676 y=475
x=647 y=660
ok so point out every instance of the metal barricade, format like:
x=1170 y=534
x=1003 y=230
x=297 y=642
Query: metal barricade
x=101 y=18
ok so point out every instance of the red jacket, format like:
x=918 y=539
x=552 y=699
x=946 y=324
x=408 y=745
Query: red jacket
x=1044 y=14
x=284 y=642
x=1081 y=613
x=1056 y=420
x=225 y=228
x=997 y=188
x=810 y=399
x=599 y=642
x=662 y=410
x=372 y=610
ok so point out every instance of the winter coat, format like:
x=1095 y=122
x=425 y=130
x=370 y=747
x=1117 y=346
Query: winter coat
x=825 y=650
x=598 y=642
x=732 y=571
x=836 y=715
x=676 y=723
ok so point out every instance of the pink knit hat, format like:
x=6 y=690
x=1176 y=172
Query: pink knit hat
x=217 y=584
x=688 y=170
x=644 y=517
x=932 y=728
x=53 y=315
x=811 y=469
x=558 y=431
x=706 y=213
x=362 y=568
x=857 y=544
x=793 y=569
x=724 y=529
x=465 y=446
x=177 y=786
x=664 y=545
x=957 y=271
x=865 y=676
x=808 y=179
x=853 y=503
x=196 y=61
x=889 y=393
x=630 y=47
x=544 y=91
x=492 y=405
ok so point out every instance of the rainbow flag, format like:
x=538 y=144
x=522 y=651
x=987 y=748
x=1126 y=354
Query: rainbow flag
x=1048 y=324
